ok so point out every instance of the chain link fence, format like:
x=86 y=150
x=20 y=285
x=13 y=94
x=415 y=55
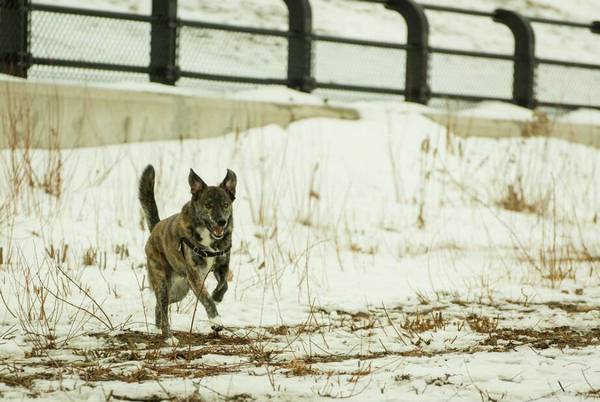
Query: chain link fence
x=470 y=76
x=360 y=65
x=233 y=54
x=87 y=39
x=558 y=84
x=63 y=43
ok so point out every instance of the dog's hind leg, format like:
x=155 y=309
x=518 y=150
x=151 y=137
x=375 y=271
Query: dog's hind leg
x=158 y=274
x=162 y=310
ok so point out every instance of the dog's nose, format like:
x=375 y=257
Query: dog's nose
x=222 y=222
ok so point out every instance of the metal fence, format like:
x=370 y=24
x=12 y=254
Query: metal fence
x=166 y=49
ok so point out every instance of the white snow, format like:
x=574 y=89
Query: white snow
x=358 y=227
x=582 y=116
x=497 y=111
x=382 y=259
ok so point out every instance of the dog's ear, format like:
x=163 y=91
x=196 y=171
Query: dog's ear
x=228 y=184
x=197 y=185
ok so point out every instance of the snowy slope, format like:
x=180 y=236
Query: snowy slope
x=376 y=259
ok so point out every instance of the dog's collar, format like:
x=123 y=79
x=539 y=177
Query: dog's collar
x=200 y=250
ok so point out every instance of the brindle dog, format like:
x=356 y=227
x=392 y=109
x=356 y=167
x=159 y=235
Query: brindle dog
x=184 y=248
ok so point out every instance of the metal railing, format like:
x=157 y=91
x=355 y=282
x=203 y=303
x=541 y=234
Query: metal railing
x=164 y=29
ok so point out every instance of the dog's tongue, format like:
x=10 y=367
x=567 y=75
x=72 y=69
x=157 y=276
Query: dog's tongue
x=218 y=231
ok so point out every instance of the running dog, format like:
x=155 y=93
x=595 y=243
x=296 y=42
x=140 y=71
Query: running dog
x=184 y=248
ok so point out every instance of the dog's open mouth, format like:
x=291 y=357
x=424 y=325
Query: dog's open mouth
x=217 y=232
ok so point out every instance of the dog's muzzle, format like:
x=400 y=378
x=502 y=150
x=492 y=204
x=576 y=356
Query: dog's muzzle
x=218 y=231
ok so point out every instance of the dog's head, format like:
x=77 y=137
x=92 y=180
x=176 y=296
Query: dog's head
x=212 y=204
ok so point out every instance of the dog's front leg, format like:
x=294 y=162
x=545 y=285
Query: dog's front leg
x=196 y=278
x=221 y=270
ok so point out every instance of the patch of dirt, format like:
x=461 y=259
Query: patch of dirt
x=559 y=337
x=12 y=380
x=572 y=307
x=131 y=338
x=25 y=380
x=240 y=398
x=280 y=330
x=592 y=394
x=136 y=357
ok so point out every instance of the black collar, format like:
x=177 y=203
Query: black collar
x=200 y=250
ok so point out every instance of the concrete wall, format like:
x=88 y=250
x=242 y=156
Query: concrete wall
x=68 y=116
x=80 y=116
x=470 y=126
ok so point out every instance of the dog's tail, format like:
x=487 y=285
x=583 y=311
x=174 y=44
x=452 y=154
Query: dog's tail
x=146 y=196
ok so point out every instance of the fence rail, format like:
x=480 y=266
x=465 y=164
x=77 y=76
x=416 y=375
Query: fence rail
x=162 y=34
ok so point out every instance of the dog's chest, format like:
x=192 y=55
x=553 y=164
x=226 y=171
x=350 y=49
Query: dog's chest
x=206 y=241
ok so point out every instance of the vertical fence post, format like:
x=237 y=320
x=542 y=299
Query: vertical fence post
x=299 y=70
x=524 y=64
x=163 y=42
x=15 y=58
x=417 y=55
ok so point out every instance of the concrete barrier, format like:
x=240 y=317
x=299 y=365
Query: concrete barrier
x=538 y=125
x=50 y=115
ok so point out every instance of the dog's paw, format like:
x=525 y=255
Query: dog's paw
x=217 y=297
x=216 y=324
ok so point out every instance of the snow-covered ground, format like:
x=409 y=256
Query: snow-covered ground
x=378 y=259
x=218 y=52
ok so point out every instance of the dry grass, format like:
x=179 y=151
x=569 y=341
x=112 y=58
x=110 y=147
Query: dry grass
x=591 y=394
x=58 y=254
x=90 y=256
x=515 y=200
x=420 y=323
x=138 y=357
x=483 y=324
x=298 y=367
x=561 y=256
x=122 y=251
x=26 y=169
